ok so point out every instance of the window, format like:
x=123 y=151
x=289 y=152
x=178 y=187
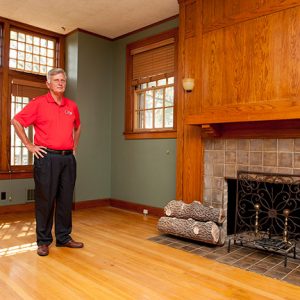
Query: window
x=31 y=53
x=26 y=53
x=22 y=92
x=151 y=87
x=154 y=105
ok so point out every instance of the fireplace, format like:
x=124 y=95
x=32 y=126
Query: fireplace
x=224 y=157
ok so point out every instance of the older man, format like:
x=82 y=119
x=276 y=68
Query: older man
x=57 y=130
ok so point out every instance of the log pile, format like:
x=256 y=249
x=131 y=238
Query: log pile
x=195 y=210
x=194 y=221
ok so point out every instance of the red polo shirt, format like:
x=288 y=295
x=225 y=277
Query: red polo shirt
x=53 y=123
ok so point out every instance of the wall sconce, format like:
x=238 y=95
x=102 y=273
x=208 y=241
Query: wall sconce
x=188 y=84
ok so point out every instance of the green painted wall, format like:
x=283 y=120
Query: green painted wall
x=16 y=189
x=92 y=76
x=140 y=171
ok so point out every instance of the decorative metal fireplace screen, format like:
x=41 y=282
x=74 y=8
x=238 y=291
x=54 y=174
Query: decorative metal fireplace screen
x=267 y=211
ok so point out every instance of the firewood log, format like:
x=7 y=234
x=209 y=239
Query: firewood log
x=207 y=232
x=222 y=236
x=195 y=210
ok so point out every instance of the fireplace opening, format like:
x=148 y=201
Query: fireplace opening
x=275 y=198
x=267 y=212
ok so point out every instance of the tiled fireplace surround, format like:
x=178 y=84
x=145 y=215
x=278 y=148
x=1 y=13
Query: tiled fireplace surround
x=223 y=157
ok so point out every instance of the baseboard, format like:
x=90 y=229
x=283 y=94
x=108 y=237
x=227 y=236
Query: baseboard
x=10 y=209
x=136 y=207
x=117 y=203
x=91 y=203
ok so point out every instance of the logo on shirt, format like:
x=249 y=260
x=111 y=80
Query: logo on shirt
x=69 y=113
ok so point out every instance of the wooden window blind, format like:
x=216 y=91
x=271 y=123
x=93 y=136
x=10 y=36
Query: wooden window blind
x=151 y=61
x=26 y=88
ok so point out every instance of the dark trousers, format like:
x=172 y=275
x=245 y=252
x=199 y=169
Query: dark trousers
x=54 y=177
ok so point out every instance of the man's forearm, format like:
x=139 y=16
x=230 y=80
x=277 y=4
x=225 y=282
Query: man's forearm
x=77 y=132
x=38 y=151
x=20 y=131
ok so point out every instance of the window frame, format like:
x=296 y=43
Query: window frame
x=6 y=76
x=155 y=133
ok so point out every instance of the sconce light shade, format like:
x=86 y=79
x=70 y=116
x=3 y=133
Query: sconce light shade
x=188 y=84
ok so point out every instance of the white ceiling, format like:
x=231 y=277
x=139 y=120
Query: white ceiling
x=110 y=18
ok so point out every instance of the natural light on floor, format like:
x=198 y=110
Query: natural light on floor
x=11 y=232
x=17 y=249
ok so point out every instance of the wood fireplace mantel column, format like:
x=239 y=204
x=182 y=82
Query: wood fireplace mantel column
x=189 y=142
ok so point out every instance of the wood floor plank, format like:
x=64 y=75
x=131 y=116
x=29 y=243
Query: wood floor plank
x=119 y=262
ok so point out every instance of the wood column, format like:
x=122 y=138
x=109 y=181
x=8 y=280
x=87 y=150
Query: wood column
x=189 y=142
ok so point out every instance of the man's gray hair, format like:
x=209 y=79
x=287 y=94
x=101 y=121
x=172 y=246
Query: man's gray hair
x=55 y=71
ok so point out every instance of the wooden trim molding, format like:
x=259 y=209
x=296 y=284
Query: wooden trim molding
x=91 y=203
x=30 y=27
x=155 y=211
x=123 y=35
x=126 y=205
x=144 y=28
x=9 y=209
x=5 y=175
x=151 y=135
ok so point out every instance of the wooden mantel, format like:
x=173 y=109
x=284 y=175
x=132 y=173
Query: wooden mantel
x=276 y=110
x=245 y=59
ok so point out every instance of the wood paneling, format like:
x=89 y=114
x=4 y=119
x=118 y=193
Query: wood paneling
x=193 y=164
x=257 y=62
x=189 y=144
x=245 y=58
x=222 y=13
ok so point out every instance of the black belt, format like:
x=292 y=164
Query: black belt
x=61 y=152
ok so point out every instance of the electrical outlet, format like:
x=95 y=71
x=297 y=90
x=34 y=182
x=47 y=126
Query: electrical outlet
x=145 y=212
x=3 y=195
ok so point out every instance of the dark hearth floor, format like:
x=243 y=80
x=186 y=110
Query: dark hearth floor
x=262 y=262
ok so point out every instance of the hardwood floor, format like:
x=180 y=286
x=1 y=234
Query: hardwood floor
x=118 y=262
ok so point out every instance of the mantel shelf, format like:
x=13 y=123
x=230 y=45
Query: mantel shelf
x=252 y=129
x=252 y=112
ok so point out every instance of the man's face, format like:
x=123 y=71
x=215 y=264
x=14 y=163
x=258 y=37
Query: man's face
x=57 y=84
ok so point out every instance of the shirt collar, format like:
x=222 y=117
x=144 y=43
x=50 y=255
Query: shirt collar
x=51 y=99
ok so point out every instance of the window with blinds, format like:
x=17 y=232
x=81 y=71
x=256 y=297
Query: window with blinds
x=151 y=77
x=22 y=91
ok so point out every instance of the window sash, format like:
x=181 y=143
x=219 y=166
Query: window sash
x=153 y=115
x=22 y=91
